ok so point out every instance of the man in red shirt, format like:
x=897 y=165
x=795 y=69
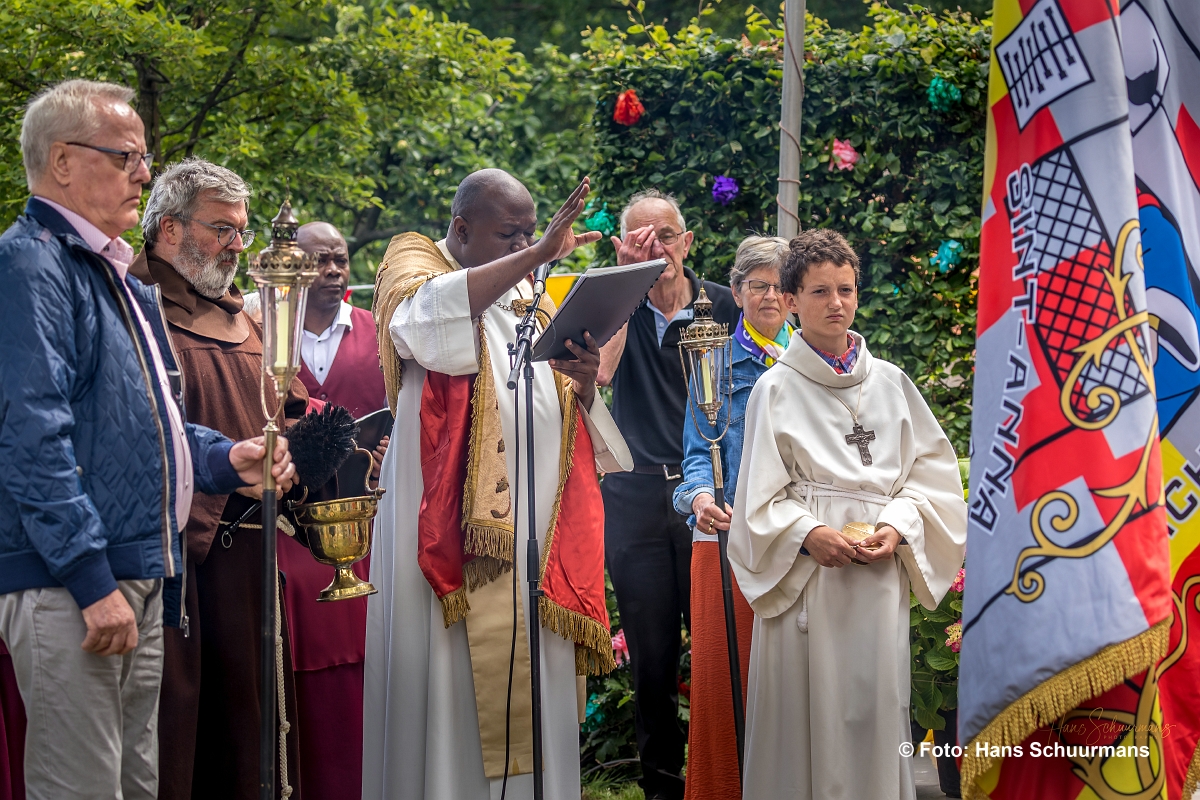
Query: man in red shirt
x=340 y=365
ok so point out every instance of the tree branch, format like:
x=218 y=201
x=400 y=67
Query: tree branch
x=214 y=96
x=361 y=241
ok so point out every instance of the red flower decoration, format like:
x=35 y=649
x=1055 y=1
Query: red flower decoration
x=685 y=690
x=629 y=109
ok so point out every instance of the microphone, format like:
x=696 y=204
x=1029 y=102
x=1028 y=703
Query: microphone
x=539 y=276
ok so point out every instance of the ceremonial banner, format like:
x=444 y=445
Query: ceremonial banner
x=1067 y=604
x=1162 y=71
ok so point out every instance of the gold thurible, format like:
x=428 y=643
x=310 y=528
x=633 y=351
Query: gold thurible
x=338 y=531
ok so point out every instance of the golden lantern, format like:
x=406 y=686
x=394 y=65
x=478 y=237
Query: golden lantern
x=283 y=273
x=706 y=353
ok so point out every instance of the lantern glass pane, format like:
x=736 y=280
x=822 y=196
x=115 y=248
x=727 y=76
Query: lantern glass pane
x=281 y=347
x=694 y=357
x=298 y=296
x=708 y=379
x=270 y=326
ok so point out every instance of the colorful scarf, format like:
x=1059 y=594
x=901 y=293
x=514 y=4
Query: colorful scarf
x=763 y=350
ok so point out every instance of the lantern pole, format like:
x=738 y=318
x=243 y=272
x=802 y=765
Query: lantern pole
x=283 y=273
x=787 y=221
x=701 y=340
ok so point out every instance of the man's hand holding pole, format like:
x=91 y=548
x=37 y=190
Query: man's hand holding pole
x=247 y=458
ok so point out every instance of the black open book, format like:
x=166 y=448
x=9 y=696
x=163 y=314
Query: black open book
x=601 y=301
x=352 y=475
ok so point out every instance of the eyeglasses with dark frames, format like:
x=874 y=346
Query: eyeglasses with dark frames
x=667 y=238
x=132 y=157
x=759 y=288
x=225 y=233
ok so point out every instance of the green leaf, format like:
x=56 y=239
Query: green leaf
x=757 y=35
x=928 y=719
x=941 y=662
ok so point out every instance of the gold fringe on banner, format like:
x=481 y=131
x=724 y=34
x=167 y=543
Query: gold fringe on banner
x=1192 y=782
x=455 y=606
x=1053 y=698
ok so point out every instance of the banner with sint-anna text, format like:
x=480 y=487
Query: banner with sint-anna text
x=1068 y=609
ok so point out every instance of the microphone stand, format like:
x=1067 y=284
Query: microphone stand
x=521 y=358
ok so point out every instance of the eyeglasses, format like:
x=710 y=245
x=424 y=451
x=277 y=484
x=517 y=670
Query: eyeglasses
x=759 y=288
x=132 y=157
x=226 y=233
x=668 y=238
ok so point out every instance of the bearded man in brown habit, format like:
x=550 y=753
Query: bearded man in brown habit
x=195 y=228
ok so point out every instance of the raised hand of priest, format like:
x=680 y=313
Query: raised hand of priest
x=636 y=246
x=582 y=369
x=829 y=547
x=246 y=457
x=111 y=626
x=559 y=240
x=879 y=546
x=709 y=517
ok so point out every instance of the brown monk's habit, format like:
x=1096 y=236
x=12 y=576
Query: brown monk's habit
x=209 y=708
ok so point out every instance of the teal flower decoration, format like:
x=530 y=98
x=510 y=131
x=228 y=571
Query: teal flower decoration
x=593 y=716
x=943 y=94
x=949 y=253
x=601 y=220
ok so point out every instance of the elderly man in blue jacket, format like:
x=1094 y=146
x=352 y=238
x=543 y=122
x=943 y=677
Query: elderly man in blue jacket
x=97 y=462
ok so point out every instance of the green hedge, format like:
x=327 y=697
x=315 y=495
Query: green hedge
x=712 y=108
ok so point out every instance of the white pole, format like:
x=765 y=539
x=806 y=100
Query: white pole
x=787 y=221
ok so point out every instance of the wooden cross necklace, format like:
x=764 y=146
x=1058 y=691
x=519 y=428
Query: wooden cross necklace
x=858 y=436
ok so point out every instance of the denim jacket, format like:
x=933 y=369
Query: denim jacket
x=697 y=464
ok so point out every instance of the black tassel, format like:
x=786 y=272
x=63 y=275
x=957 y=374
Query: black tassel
x=320 y=443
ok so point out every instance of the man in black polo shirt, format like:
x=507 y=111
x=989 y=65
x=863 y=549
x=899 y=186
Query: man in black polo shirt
x=648 y=546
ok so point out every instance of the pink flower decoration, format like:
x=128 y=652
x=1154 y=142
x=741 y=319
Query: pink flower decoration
x=957 y=586
x=955 y=640
x=844 y=155
x=620 y=649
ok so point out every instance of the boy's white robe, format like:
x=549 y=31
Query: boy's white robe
x=828 y=704
x=421 y=737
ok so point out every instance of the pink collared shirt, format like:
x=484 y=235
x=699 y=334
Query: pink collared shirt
x=120 y=255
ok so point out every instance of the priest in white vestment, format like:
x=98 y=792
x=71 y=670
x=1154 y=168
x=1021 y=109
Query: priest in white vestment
x=431 y=729
x=836 y=436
